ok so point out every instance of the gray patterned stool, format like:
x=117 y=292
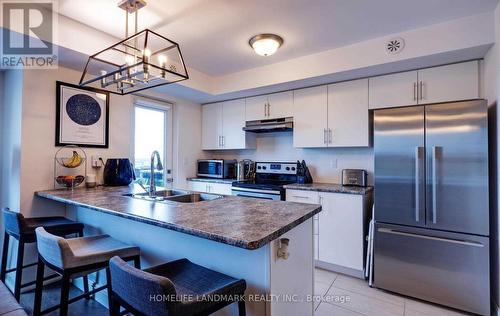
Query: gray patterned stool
x=74 y=258
x=23 y=229
x=177 y=288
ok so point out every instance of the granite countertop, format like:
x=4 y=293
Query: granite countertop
x=212 y=180
x=330 y=187
x=242 y=222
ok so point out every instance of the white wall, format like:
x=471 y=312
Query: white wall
x=325 y=164
x=10 y=117
x=492 y=93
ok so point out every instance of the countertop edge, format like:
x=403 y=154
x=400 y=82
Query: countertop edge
x=335 y=188
x=251 y=245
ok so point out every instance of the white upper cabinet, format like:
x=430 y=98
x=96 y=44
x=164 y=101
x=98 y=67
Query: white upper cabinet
x=280 y=105
x=271 y=106
x=393 y=90
x=348 y=121
x=310 y=107
x=449 y=83
x=212 y=126
x=256 y=108
x=223 y=126
x=233 y=121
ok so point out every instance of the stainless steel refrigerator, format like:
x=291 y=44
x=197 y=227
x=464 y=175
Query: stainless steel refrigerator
x=431 y=203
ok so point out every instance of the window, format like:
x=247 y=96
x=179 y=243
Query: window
x=153 y=131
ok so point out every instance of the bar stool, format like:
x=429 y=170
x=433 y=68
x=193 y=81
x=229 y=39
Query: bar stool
x=175 y=288
x=74 y=258
x=23 y=229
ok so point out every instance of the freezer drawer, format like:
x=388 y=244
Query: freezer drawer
x=446 y=268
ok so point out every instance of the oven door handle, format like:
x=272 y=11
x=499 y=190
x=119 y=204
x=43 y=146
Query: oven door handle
x=255 y=190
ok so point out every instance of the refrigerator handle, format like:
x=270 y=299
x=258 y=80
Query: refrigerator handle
x=434 y=184
x=417 y=184
x=449 y=240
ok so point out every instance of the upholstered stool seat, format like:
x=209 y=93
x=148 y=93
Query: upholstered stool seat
x=192 y=289
x=76 y=257
x=8 y=304
x=23 y=229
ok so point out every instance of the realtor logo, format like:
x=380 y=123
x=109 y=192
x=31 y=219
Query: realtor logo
x=28 y=29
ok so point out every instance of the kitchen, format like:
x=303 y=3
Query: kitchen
x=233 y=137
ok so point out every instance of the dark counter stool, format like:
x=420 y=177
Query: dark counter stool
x=165 y=289
x=74 y=258
x=23 y=229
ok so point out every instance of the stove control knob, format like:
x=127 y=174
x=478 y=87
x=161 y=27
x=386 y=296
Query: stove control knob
x=264 y=167
x=287 y=168
x=293 y=168
x=259 y=167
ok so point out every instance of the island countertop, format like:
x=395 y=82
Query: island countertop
x=242 y=222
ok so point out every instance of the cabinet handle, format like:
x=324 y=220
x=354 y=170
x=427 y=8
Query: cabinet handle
x=223 y=141
x=330 y=135
x=219 y=142
x=265 y=109
x=324 y=135
x=421 y=90
x=414 y=91
x=268 y=109
x=300 y=197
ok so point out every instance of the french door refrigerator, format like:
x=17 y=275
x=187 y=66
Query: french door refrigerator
x=431 y=203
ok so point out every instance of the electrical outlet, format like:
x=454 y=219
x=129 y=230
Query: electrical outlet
x=333 y=163
x=96 y=161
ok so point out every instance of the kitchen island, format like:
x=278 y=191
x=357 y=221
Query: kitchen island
x=233 y=235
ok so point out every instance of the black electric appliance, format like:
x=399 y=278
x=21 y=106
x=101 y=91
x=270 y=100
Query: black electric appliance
x=118 y=172
x=217 y=168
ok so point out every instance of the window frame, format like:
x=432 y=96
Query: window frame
x=168 y=154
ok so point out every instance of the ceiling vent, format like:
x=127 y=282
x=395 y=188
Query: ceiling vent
x=395 y=45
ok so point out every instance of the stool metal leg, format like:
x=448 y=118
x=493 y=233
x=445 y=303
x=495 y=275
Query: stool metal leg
x=63 y=309
x=37 y=306
x=110 y=291
x=5 y=253
x=241 y=308
x=137 y=262
x=85 y=278
x=19 y=269
x=114 y=308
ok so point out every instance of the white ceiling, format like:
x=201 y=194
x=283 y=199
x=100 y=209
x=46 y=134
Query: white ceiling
x=214 y=34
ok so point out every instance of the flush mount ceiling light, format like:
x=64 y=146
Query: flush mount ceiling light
x=141 y=61
x=266 y=44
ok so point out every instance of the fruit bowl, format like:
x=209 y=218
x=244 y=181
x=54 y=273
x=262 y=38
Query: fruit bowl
x=74 y=161
x=70 y=181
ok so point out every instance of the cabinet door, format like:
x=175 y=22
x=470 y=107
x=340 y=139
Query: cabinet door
x=280 y=105
x=220 y=188
x=348 y=114
x=393 y=90
x=233 y=121
x=310 y=107
x=449 y=83
x=211 y=126
x=198 y=186
x=341 y=230
x=256 y=108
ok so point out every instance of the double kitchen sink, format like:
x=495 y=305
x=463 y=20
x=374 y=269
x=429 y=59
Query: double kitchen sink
x=178 y=196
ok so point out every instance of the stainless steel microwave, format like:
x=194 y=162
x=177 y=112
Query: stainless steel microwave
x=217 y=168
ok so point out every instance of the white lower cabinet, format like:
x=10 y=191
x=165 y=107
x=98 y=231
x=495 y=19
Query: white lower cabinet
x=210 y=187
x=338 y=231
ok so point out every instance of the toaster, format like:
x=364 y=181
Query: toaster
x=355 y=177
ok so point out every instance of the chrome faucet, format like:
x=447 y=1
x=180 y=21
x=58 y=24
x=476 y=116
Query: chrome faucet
x=159 y=166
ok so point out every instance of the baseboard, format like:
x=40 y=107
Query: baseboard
x=339 y=269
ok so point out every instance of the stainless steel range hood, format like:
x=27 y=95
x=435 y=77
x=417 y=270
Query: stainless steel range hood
x=266 y=126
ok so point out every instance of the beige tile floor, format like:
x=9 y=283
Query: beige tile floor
x=347 y=296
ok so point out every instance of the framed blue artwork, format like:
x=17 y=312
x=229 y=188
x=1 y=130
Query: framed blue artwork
x=82 y=116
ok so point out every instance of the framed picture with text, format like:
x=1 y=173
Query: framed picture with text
x=82 y=116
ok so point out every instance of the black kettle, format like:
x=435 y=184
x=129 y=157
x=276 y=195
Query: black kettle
x=118 y=171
